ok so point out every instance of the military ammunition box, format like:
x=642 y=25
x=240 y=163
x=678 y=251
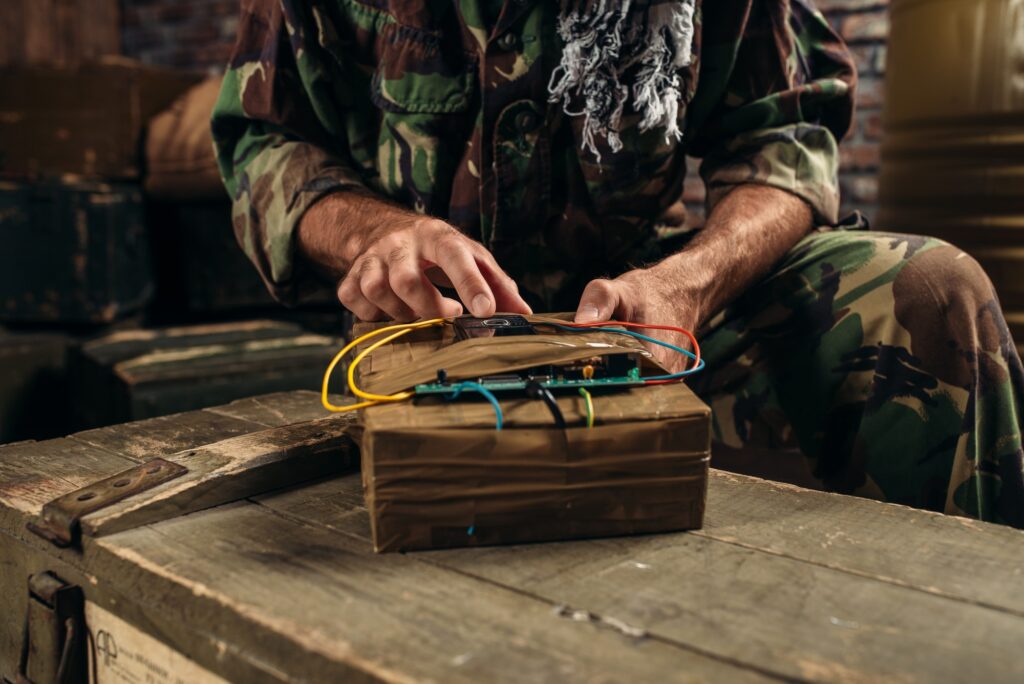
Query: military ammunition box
x=439 y=474
x=74 y=252
x=232 y=544
x=201 y=271
x=87 y=120
x=33 y=379
x=59 y=32
x=58 y=625
x=134 y=374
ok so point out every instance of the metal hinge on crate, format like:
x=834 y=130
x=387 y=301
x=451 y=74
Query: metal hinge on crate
x=59 y=521
x=53 y=646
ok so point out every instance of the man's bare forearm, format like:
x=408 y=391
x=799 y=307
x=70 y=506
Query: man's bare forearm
x=338 y=228
x=748 y=232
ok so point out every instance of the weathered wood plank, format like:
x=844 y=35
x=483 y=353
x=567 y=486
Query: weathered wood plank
x=954 y=557
x=337 y=503
x=946 y=555
x=799 y=619
x=233 y=469
x=156 y=372
x=279 y=408
x=806 y=620
x=319 y=605
x=22 y=556
x=33 y=473
x=145 y=439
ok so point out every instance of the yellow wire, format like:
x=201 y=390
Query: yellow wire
x=400 y=396
x=590 y=406
x=406 y=327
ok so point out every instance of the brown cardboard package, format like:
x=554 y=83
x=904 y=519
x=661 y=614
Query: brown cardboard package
x=438 y=474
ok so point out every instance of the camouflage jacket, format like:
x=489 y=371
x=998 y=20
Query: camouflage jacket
x=432 y=105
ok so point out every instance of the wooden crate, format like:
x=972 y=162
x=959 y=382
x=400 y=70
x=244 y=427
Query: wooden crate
x=135 y=374
x=203 y=273
x=201 y=270
x=58 y=32
x=86 y=120
x=74 y=252
x=781 y=584
x=33 y=381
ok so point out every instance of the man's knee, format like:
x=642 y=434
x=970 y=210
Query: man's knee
x=948 y=276
x=943 y=298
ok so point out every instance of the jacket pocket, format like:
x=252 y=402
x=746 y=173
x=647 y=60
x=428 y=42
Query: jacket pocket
x=423 y=94
x=417 y=75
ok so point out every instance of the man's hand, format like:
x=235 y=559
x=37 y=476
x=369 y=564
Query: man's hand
x=642 y=296
x=394 y=259
x=397 y=273
x=747 y=233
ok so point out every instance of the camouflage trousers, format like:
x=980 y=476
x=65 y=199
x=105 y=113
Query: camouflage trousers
x=886 y=359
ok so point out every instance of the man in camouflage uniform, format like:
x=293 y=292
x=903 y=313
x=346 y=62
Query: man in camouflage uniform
x=537 y=147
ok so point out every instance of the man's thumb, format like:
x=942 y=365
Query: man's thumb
x=597 y=303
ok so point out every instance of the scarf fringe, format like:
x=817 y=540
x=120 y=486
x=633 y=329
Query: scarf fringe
x=602 y=40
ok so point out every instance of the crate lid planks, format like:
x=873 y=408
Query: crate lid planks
x=782 y=583
x=135 y=374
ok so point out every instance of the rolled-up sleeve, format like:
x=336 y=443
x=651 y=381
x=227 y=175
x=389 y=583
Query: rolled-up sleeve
x=775 y=95
x=279 y=140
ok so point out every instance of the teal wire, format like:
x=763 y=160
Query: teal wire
x=672 y=376
x=487 y=394
x=499 y=418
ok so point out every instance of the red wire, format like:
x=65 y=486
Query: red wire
x=672 y=328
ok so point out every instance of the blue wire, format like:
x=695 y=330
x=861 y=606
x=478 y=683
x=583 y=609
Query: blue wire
x=672 y=376
x=486 y=393
x=499 y=417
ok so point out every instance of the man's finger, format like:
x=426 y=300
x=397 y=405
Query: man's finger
x=450 y=308
x=454 y=257
x=506 y=292
x=418 y=293
x=376 y=288
x=599 y=301
x=351 y=297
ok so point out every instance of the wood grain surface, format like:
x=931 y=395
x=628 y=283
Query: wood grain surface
x=781 y=584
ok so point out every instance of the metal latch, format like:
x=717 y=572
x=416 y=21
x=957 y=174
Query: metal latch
x=53 y=646
x=60 y=519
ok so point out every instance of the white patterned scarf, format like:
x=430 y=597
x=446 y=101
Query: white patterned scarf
x=618 y=53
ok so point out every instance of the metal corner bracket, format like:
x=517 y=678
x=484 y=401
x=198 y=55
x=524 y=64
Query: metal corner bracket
x=60 y=520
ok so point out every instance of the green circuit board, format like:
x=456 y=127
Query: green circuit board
x=504 y=383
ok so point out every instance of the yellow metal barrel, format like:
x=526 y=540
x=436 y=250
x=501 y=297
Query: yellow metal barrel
x=953 y=154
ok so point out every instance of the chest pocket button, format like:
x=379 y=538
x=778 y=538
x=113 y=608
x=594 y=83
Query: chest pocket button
x=527 y=121
x=508 y=41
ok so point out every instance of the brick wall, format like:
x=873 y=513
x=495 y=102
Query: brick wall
x=865 y=26
x=190 y=34
x=197 y=34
